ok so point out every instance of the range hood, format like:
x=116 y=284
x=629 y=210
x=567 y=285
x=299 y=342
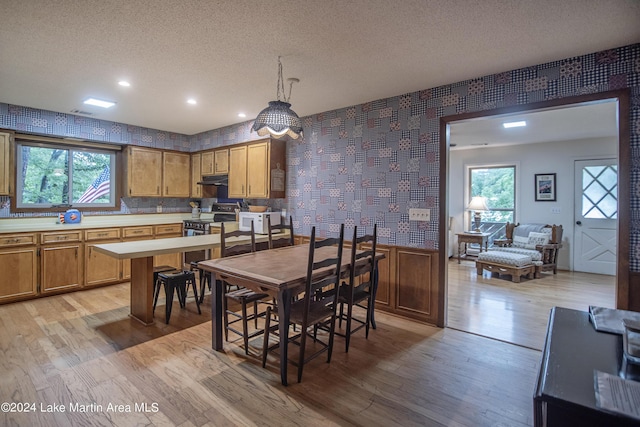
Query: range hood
x=214 y=180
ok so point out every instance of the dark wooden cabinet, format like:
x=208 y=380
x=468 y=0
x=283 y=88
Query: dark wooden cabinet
x=573 y=350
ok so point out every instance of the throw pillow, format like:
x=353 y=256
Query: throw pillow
x=520 y=242
x=537 y=239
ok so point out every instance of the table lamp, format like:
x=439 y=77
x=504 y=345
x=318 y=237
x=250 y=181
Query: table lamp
x=477 y=205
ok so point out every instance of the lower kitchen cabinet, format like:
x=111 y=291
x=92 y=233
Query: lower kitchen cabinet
x=162 y=232
x=99 y=268
x=61 y=261
x=19 y=255
x=134 y=233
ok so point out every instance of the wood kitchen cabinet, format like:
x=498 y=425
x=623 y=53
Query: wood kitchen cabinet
x=143 y=232
x=176 y=180
x=207 y=162
x=61 y=261
x=5 y=171
x=221 y=161
x=196 y=175
x=162 y=232
x=257 y=170
x=19 y=255
x=144 y=172
x=101 y=269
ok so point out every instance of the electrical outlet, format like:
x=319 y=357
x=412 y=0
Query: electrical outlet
x=159 y=208
x=419 y=214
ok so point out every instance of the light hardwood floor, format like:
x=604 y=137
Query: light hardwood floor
x=83 y=349
x=518 y=313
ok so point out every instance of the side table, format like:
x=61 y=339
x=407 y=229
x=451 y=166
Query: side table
x=468 y=237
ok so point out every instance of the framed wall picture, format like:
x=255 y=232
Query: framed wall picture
x=545 y=187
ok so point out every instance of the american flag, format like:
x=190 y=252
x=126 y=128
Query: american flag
x=98 y=188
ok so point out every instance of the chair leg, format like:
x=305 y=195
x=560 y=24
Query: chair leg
x=303 y=341
x=168 y=293
x=225 y=318
x=195 y=294
x=156 y=292
x=255 y=313
x=245 y=328
x=265 y=345
x=347 y=334
x=331 y=336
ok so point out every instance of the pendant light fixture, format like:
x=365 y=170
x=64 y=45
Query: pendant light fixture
x=278 y=119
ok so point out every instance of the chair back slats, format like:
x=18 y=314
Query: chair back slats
x=316 y=291
x=279 y=242
x=358 y=252
x=228 y=249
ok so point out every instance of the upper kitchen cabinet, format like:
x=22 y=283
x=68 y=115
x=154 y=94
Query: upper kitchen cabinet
x=156 y=173
x=221 y=161
x=256 y=170
x=5 y=172
x=176 y=179
x=196 y=175
x=215 y=162
x=144 y=172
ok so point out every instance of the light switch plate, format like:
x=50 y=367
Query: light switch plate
x=416 y=214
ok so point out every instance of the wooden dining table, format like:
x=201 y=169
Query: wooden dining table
x=280 y=273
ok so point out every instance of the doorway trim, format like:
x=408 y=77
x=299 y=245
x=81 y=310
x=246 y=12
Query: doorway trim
x=624 y=167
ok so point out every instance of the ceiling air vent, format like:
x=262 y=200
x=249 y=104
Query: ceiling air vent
x=84 y=113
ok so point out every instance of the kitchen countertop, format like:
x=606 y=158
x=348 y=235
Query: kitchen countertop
x=147 y=248
x=19 y=225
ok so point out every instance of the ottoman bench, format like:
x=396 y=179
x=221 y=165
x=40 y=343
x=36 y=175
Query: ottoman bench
x=499 y=262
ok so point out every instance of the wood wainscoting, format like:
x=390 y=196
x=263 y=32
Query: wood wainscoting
x=408 y=283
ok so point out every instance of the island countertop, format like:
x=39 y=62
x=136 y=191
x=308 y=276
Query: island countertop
x=146 y=248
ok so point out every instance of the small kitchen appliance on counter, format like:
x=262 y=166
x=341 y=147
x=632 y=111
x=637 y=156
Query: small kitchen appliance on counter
x=260 y=224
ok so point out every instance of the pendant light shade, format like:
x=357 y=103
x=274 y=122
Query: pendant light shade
x=278 y=119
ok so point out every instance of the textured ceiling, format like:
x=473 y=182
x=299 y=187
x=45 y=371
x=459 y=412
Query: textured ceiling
x=54 y=54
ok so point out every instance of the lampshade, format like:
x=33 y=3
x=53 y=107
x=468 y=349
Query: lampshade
x=278 y=119
x=478 y=203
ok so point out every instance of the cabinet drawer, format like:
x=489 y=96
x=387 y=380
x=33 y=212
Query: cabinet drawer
x=7 y=240
x=144 y=231
x=61 y=237
x=164 y=229
x=102 y=234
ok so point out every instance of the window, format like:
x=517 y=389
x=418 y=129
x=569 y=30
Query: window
x=497 y=184
x=56 y=175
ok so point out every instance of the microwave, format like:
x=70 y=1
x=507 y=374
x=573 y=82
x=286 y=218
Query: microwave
x=260 y=224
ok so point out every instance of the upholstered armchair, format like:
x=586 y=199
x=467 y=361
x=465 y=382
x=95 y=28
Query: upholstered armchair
x=540 y=241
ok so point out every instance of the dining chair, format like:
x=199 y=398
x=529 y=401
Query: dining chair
x=317 y=306
x=280 y=241
x=242 y=296
x=360 y=286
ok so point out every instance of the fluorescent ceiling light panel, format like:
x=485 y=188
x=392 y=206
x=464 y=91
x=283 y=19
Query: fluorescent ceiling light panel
x=514 y=124
x=124 y=83
x=99 y=103
x=242 y=115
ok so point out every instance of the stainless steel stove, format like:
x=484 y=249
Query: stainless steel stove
x=220 y=212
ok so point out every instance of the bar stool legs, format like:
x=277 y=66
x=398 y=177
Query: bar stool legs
x=177 y=283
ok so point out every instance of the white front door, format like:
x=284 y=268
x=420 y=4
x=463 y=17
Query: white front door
x=596 y=216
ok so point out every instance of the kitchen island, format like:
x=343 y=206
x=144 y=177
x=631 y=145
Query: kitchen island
x=141 y=253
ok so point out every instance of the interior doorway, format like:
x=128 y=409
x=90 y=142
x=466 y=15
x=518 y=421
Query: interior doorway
x=623 y=178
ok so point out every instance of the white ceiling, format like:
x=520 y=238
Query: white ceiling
x=593 y=120
x=55 y=54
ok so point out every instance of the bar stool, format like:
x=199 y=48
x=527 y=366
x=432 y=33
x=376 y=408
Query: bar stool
x=157 y=285
x=179 y=282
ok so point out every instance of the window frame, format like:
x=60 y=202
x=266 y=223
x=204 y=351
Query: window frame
x=71 y=146
x=468 y=216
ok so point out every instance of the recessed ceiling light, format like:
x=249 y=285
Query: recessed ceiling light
x=242 y=115
x=99 y=102
x=191 y=101
x=514 y=124
x=124 y=83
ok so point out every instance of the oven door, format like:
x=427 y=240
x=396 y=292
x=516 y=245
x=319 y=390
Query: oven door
x=194 y=256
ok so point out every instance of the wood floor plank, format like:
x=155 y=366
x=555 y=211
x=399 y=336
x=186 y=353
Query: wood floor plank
x=83 y=348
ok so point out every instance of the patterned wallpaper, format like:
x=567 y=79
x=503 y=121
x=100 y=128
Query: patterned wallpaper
x=370 y=163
